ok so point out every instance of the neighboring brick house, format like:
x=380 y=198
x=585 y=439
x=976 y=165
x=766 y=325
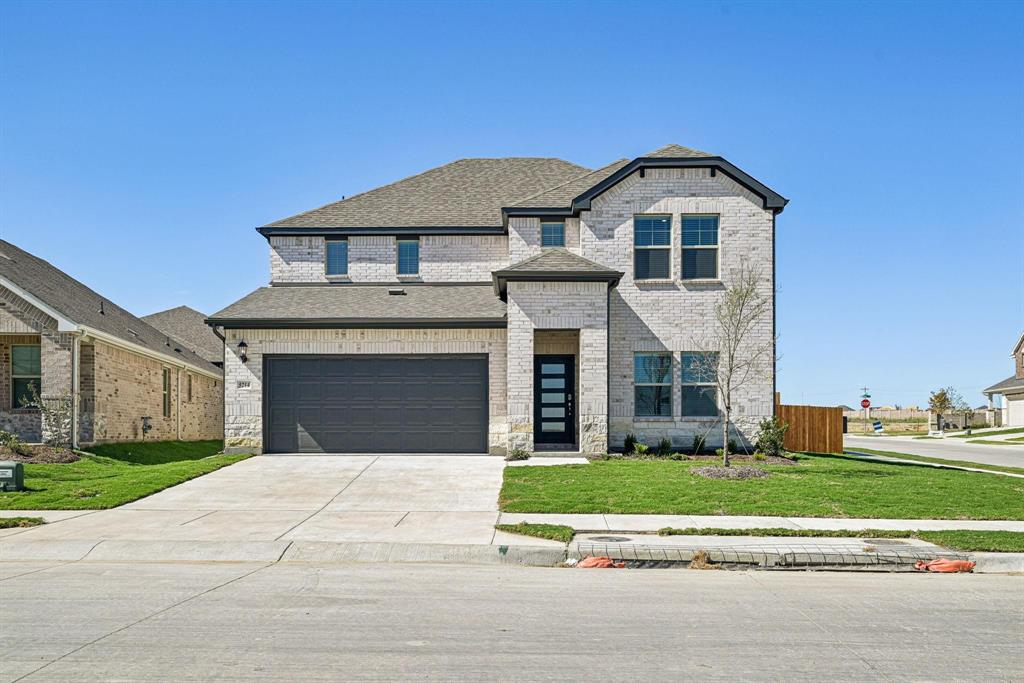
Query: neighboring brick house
x=1012 y=390
x=494 y=304
x=124 y=379
x=188 y=327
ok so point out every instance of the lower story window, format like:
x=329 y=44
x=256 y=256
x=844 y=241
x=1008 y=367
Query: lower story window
x=167 y=393
x=652 y=382
x=699 y=397
x=26 y=374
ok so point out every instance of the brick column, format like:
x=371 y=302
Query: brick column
x=55 y=360
x=520 y=373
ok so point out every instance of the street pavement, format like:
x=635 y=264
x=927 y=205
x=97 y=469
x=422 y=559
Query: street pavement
x=948 y=448
x=310 y=622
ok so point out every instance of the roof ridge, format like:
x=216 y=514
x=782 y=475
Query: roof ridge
x=570 y=180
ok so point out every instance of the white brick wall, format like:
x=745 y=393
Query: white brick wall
x=443 y=258
x=666 y=316
x=243 y=421
x=524 y=237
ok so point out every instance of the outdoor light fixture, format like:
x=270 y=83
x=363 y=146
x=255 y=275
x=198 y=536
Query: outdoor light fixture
x=242 y=346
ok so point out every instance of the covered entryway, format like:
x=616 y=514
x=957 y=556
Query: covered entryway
x=375 y=404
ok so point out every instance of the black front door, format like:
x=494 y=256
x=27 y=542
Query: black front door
x=554 y=400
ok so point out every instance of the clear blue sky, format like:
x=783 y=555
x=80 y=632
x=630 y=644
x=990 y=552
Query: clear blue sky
x=140 y=143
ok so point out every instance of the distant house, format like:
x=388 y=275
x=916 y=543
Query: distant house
x=187 y=326
x=1011 y=389
x=125 y=379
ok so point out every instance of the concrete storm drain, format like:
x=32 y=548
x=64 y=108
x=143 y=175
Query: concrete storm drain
x=609 y=539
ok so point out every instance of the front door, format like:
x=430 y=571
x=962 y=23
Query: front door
x=554 y=401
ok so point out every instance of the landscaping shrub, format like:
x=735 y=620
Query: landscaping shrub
x=641 y=449
x=13 y=443
x=760 y=456
x=699 y=443
x=678 y=456
x=733 y=448
x=517 y=454
x=630 y=444
x=664 y=448
x=771 y=433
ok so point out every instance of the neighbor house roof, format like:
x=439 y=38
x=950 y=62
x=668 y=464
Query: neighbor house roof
x=557 y=264
x=1012 y=384
x=188 y=326
x=84 y=308
x=351 y=305
x=464 y=193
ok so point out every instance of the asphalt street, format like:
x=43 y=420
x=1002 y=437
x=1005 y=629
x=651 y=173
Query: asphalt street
x=948 y=449
x=90 y=621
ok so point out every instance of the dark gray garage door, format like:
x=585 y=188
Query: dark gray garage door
x=375 y=404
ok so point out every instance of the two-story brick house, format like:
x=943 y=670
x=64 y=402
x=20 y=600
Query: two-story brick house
x=494 y=304
x=1011 y=389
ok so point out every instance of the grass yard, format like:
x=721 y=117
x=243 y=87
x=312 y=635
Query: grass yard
x=1013 y=441
x=817 y=486
x=19 y=522
x=967 y=541
x=999 y=432
x=123 y=473
x=552 y=532
x=943 y=461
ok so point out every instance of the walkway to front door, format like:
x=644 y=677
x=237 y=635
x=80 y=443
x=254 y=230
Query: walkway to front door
x=554 y=415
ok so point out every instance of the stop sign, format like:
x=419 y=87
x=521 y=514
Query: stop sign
x=865 y=403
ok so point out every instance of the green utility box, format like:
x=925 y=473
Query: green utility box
x=12 y=476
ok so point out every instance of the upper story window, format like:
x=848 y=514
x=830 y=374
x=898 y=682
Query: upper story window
x=337 y=257
x=26 y=371
x=652 y=247
x=652 y=384
x=408 y=257
x=552 y=234
x=698 y=390
x=700 y=248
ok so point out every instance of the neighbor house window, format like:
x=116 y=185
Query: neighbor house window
x=337 y=257
x=700 y=247
x=552 y=234
x=408 y=257
x=167 y=393
x=699 y=396
x=652 y=240
x=25 y=373
x=652 y=384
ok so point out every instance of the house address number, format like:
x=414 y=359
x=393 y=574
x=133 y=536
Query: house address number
x=244 y=384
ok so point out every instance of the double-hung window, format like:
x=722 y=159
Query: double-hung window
x=552 y=234
x=26 y=372
x=166 y=394
x=652 y=247
x=699 y=395
x=337 y=258
x=408 y=257
x=700 y=247
x=652 y=384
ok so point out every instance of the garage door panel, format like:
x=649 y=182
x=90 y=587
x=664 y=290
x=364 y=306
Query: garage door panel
x=383 y=404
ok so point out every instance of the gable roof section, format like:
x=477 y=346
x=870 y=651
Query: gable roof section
x=339 y=306
x=554 y=265
x=676 y=152
x=1018 y=346
x=1011 y=384
x=188 y=327
x=562 y=195
x=82 y=306
x=467 y=193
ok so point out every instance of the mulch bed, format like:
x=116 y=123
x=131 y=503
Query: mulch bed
x=41 y=455
x=773 y=460
x=719 y=472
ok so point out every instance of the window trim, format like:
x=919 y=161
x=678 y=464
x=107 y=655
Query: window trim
x=15 y=404
x=327 y=270
x=683 y=383
x=717 y=246
x=663 y=247
x=398 y=261
x=166 y=393
x=552 y=246
x=670 y=384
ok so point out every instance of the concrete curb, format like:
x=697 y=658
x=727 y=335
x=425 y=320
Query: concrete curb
x=278 y=551
x=998 y=563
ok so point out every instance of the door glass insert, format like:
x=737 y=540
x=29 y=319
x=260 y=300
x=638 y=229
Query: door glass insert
x=552 y=368
x=553 y=383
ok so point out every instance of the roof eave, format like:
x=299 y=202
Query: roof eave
x=503 y=277
x=269 y=231
x=350 y=323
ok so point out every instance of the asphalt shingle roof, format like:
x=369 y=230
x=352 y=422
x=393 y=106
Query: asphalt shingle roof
x=187 y=326
x=557 y=260
x=341 y=303
x=676 y=152
x=82 y=305
x=1011 y=382
x=562 y=195
x=464 y=193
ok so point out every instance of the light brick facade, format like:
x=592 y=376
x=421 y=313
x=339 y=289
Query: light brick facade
x=603 y=328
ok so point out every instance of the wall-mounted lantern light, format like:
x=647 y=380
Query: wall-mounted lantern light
x=242 y=356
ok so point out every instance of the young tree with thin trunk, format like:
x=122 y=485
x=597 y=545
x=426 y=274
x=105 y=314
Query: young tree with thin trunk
x=734 y=355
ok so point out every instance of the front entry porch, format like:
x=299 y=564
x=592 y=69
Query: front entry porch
x=554 y=414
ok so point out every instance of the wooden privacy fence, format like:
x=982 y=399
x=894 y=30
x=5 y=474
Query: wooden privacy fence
x=812 y=429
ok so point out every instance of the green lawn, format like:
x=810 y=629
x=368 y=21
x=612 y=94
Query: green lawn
x=12 y=522
x=552 y=532
x=1015 y=441
x=967 y=541
x=818 y=486
x=125 y=472
x=943 y=461
x=976 y=435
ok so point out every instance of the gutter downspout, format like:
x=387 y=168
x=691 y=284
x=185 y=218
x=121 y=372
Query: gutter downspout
x=177 y=406
x=76 y=356
x=775 y=341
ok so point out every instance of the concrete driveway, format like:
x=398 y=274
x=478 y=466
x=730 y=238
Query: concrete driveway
x=389 y=499
x=949 y=448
